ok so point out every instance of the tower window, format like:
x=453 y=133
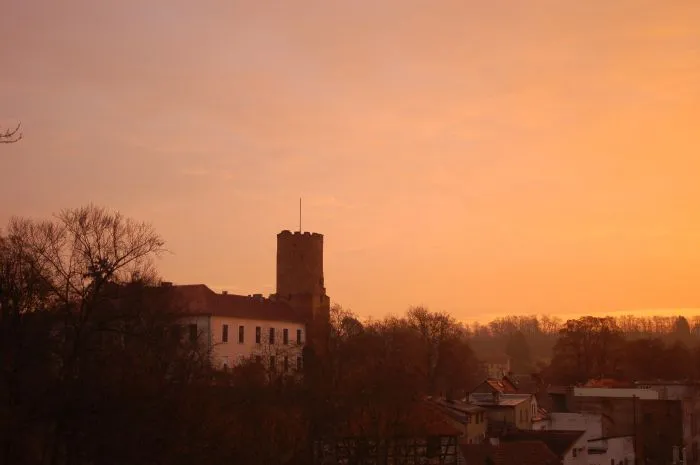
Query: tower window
x=272 y=335
x=241 y=334
x=224 y=333
x=298 y=336
x=285 y=336
x=258 y=332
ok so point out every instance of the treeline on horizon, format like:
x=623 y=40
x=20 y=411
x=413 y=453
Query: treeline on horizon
x=551 y=350
x=92 y=373
x=541 y=333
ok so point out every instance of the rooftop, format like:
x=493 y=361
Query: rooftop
x=198 y=299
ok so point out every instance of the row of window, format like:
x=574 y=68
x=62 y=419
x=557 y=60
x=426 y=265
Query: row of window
x=258 y=335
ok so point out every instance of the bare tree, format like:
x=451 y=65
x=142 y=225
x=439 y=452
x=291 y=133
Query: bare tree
x=56 y=279
x=10 y=136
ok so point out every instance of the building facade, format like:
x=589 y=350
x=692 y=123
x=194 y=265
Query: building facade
x=272 y=331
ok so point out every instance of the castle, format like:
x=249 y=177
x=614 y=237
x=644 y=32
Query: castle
x=272 y=330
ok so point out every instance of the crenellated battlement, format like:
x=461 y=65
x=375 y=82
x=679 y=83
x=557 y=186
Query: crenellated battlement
x=299 y=234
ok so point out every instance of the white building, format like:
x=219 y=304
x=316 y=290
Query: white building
x=272 y=331
x=600 y=449
x=237 y=328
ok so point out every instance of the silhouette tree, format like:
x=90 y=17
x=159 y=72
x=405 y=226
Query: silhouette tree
x=587 y=347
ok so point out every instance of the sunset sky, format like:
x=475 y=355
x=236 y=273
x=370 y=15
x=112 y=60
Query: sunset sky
x=481 y=157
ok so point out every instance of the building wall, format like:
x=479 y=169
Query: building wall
x=233 y=352
x=477 y=425
x=523 y=415
x=203 y=324
x=615 y=392
x=591 y=423
x=689 y=395
x=299 y=264
x=657 y=424
x=300 y=282
x=618 y=451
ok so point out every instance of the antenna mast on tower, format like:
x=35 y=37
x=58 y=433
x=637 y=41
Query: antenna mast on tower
x=299 y=214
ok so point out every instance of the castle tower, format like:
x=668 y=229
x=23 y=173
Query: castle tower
x=300 y=273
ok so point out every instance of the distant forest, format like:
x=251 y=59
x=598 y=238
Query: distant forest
x=629 y=347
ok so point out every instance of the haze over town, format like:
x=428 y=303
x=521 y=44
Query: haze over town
x=477 y=157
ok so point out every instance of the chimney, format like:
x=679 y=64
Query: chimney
x=224 y=292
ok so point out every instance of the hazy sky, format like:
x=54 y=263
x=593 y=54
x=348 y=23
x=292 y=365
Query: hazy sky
x=479 y=157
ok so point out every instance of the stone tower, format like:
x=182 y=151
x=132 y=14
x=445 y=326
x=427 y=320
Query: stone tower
x=300 y=273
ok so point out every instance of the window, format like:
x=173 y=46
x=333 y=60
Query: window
x=298 y=336
x=272 y=363
x=193 y=332
x=285 y=336
x=298 y=363
x=224 y=333
x=258 y=331
x=272 y=335
x=241 y=334
x=286 y=364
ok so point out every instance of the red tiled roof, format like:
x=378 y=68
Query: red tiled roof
x=513 y=453
x=503 y=386
x=198 y=299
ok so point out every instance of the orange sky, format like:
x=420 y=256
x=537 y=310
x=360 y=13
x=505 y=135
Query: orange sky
x=480 y=157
